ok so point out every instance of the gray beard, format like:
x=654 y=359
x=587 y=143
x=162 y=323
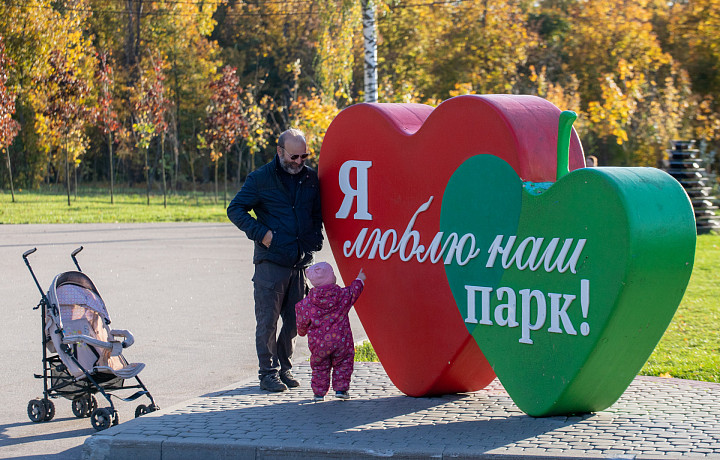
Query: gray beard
x=290 y=167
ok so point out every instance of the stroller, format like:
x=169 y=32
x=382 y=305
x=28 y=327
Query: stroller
x=82 y=356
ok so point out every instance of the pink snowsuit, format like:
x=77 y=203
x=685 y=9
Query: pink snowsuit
x=323 y=316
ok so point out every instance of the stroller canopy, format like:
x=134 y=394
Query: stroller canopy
x=75 y=288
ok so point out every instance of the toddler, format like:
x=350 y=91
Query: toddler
x=323 y=316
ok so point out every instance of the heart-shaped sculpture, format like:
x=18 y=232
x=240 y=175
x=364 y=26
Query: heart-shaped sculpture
x=383 y=172
x=576 y=281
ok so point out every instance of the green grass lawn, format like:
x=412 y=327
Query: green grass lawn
x=689 y=349
x=93 y=206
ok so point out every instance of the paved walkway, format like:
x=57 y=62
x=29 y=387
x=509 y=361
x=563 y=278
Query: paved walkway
x=655 y=418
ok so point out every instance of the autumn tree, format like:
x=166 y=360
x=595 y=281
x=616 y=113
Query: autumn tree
x=297 y=56
x=638 y=73
x=482 y=45
x=107 y=118
x=694 y=40
x=269 y=41
x=143 y=129
x=31 y=30
x=461 y=47
x=274 y=46
x=150 y=106
x=313 y=114
x=627 y=82
x=339 y=24
x=225 y=121
x=254 y=113
x=8 y=126
x=546 y=72
x=160 y=106
x=180 y=31
x=404 y=66
x=64 y=111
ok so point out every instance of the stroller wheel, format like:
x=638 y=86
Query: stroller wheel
x=49 y=409
x=102 y=418
x=141 y=410
x=80 y=407
x=93 y=404
x=36 y=410
x=153 y=408
x=84 y=405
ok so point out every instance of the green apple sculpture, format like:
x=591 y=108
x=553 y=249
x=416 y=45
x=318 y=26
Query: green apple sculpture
x=576 y=281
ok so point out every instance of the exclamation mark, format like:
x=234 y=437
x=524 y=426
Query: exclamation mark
x=585 y=305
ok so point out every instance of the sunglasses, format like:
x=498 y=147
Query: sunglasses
x=295 y=157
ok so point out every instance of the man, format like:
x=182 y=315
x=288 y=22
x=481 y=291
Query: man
x=287 y=229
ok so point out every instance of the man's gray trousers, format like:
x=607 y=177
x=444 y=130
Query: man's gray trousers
x=277 y=290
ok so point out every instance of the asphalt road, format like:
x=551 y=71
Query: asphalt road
x=183 y=290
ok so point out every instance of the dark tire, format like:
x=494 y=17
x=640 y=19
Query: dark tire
x=36 y=411
x=141 y=410
x=153 y=408
x=49 y=409
x=102 y=418
x=80 y=407
x=84 y=405
x=93 y=404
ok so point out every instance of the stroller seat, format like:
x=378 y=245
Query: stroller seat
x=85 y=323
x=126 y=372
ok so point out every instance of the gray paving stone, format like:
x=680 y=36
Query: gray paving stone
x=655 y=418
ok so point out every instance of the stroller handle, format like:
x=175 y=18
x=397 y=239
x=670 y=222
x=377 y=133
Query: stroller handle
x=72 y=256
x=37 y=283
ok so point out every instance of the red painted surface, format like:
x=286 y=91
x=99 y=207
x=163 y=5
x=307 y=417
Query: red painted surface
x=407 y=308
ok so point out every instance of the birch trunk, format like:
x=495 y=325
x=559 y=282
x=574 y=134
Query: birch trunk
x=370 y=40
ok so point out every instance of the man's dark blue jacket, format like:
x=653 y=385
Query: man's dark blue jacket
x=296 y=221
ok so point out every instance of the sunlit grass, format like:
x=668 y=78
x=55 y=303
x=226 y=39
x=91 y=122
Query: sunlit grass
x=93 y=206
x=364 y=352
x=690 y=348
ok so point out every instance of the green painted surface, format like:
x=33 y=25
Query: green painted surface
x=635 y=231
x=565 y=122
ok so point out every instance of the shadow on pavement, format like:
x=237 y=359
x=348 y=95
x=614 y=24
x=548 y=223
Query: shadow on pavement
x=71 y=454
x=292 y=419
x=6 y=440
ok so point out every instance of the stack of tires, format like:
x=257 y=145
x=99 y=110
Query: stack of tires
x=688 y=168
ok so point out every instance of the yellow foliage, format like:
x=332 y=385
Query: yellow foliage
x=406 y=92
x=339 y=22
x=254 y=114
x=462 y=88
x=75 y=47
x=313 y=115
x=610 y=115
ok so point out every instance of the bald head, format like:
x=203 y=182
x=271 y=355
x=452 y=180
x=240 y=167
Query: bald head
x=293 y=136
x=292 y=150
